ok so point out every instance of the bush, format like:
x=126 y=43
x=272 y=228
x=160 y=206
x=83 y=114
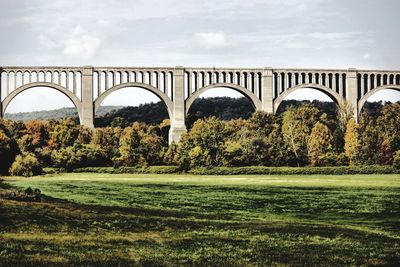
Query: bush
x=372 y=169
x=26 y=165
x=396 y=160
x=333 y=159
x=78 y=157
x=251 y=170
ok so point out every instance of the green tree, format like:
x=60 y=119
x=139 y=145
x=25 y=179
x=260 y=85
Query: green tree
x=296 y=128
x=319 y=143
x=369 y=145
x=278 y=150
x=233 y=153
x=79 y=156
x=169 y=155
x=108 y=140
x=129 y=148
x=64 y=134
x=389 y=129
x=207 y=136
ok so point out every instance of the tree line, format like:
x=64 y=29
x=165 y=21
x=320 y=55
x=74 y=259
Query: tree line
x=302 y=135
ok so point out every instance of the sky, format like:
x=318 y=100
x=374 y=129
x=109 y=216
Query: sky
x=222 y=33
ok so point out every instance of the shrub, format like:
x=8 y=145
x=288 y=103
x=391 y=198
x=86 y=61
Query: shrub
x=78 y=156
x=333 y=159
x=26 y=165
x=372 y=169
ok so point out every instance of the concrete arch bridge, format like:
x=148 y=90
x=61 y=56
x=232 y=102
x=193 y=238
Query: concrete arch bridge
x=178 y=87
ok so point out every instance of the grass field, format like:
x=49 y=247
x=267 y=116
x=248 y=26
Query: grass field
x=170 y=220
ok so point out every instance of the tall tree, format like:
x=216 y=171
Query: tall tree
x=345 y=113
x=389 y=129
x=319 y=143
x=369 y=145
x=129 y=148
x=351 y=141
x=296 y=128
x=203 y=145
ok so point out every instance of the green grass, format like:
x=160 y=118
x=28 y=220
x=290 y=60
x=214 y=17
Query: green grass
x=131 y=219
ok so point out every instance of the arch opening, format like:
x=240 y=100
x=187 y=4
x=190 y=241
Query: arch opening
x=124 y=105
x=373 y=101
x=42 y=103
x=222 y=102
x=320 y=99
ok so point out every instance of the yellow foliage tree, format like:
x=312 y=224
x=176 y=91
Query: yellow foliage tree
x=320 y=142
x=351 y=141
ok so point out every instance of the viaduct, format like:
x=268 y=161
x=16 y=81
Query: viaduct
x=178 y=87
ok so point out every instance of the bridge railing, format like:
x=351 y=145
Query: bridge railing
x=105 y=78
x=285 y=79
x=368 y=80
x=13 y=78
x=198 y=78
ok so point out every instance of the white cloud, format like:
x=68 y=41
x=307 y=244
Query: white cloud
x=81 y=44
x=78 y=30
x=212 y=39
x=46 y=42
x=312 y=40
x=366 y=56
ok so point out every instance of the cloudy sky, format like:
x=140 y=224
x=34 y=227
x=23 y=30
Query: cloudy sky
x=221 y=33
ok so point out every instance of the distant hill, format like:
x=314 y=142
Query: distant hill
x=224 y=108
x=56 y=113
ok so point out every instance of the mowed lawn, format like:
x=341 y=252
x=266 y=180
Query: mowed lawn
x=175 y=220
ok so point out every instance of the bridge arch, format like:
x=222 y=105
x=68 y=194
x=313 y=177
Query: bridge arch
x=164 y=98
x=329 y=92
x=364 y=99
x=74 y=99
x=245 y=92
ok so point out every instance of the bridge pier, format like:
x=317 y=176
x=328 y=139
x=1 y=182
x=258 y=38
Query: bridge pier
x=87 y=109
x=352 y=91
x=178 y=126
x=267 y=91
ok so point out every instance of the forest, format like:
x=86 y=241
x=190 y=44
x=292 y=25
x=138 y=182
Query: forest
x=221 y=132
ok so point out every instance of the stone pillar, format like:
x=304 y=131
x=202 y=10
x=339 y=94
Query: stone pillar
x=352 y=91
x=267 y=91
x=87 y=109
x=178 y=126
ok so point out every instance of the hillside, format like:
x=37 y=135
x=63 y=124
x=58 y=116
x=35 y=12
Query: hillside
x=56 y=113
x=224 y=108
